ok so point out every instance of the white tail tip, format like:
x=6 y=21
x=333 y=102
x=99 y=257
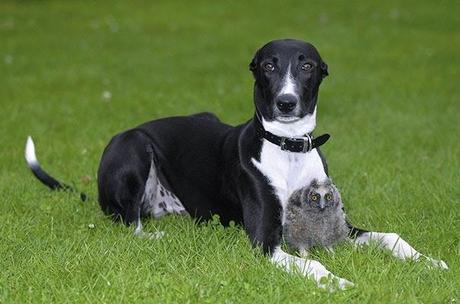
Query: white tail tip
x=31 y=158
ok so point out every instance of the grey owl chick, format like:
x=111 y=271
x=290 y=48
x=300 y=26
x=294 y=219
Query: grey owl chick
x=315 y=217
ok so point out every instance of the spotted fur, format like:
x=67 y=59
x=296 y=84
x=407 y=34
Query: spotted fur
x=157 y=200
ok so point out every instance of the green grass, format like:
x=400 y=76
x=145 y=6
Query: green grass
x=391 y=104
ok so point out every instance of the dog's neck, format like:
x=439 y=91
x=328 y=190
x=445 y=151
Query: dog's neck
x=298 y=128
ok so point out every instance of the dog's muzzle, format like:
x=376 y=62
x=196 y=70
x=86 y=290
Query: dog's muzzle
x=286 y=103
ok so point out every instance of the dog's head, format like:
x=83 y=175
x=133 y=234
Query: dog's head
x=287 y=76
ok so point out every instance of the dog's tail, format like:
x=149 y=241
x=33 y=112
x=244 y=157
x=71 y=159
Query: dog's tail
x=42 y=176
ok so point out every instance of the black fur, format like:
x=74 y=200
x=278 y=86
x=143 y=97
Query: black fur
x=51 y=182
x=284 y=54
x=207 y=163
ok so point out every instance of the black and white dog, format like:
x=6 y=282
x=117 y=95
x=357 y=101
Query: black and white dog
x=200 y=166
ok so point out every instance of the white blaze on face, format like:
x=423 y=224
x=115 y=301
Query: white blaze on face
x=288 y=84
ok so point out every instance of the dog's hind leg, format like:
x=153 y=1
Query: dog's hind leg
x=133 y=212
x=158 y=199
x=123 y=179
x=149 y=235
x=398 y=247
x=130 y=183
x=146 y=207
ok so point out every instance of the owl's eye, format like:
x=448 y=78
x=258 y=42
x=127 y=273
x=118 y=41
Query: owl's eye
x=314 y=197
x=328 y=197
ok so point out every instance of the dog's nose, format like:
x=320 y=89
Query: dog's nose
x=286 y=103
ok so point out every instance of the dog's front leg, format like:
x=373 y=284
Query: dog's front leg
x=398 y=247
x=307 y=267
x=264 y=229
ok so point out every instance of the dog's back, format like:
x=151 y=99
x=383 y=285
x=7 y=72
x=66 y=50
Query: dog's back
x=187 y=152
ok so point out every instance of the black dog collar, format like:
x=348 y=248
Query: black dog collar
x=302 y=144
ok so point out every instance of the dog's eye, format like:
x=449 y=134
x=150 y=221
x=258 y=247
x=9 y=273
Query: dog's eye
x=269 y=67
x=306 y=66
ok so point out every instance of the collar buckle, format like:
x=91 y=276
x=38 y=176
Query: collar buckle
x=283 y=143
x=306 y=143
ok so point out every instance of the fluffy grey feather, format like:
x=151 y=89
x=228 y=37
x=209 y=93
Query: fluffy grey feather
x=315 y=217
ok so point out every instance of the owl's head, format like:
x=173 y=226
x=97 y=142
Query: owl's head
x=320 y=196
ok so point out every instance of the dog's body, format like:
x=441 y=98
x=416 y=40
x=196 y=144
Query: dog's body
x=210 y=167
x=201 y=166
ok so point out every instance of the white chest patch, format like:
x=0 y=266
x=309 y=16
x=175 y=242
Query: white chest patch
x=288 y=171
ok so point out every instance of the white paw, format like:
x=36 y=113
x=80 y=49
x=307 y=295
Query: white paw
x=309 y=268
x=333 y=283
x=344 y=284
x=155 y=235
x=436 y=263
x=150 y=235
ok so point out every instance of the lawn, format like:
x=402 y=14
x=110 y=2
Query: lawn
x=73 y=73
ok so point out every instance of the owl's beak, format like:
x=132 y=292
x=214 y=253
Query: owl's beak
x=322 y=205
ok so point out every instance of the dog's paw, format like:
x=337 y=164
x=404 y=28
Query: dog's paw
x=433 y=263
x=333 y=283
x=344 y=284
x=156 y=235
x=150 y=235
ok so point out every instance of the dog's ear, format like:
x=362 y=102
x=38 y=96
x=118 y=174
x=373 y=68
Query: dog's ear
x=253 y=64
x=324 y=71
